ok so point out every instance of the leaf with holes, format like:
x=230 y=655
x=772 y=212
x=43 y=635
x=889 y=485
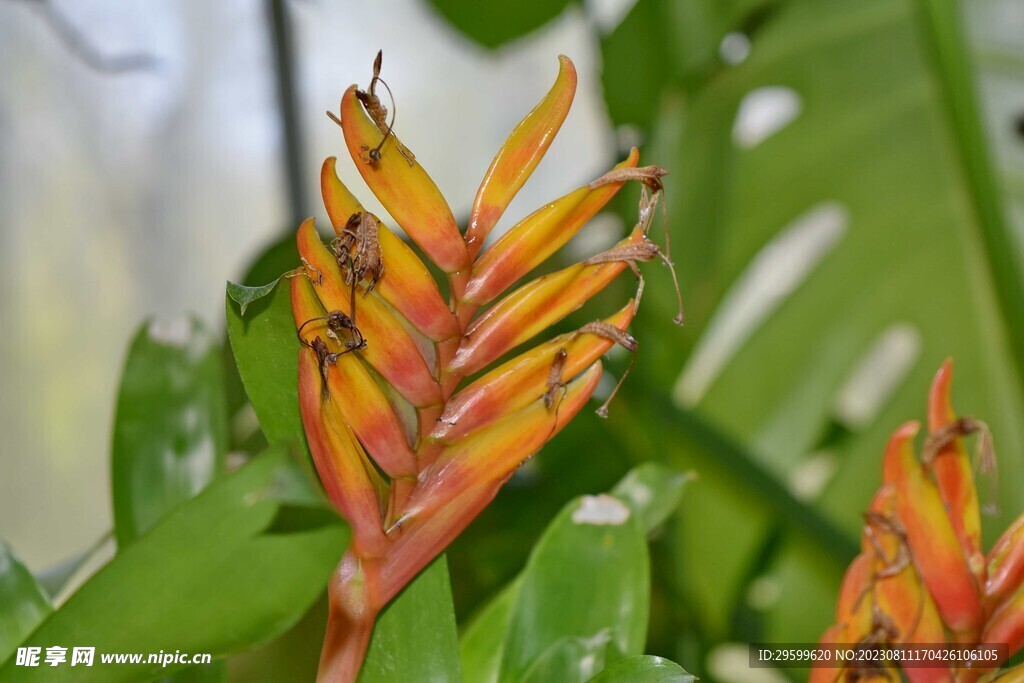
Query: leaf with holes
x=843 y=235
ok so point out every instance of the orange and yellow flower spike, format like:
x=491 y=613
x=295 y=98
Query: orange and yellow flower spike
x=923 y=533
x=404 y=455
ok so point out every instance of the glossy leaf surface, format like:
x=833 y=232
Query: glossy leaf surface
x=266 y=353
x=644 y=669
x=600 y=575
x=415 y=637
x=170 y=431
x=179 y=586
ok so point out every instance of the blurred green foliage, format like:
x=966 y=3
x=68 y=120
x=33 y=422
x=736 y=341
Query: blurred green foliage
x=860 y=241
x=171 y=426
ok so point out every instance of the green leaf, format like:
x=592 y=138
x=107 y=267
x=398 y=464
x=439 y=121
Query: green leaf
x=653 y=492
x=22 y=602
x=415 y=638
x=278 y=257
x=663 y=44
x=569 y=660
x=54 y=578
x=170 y=431
x=493 y=23
x=483 y=643
x=244 y=295
x=589 y=571
x=266 y=353
x=225 y=571
x=644 y=669
x=636 y=63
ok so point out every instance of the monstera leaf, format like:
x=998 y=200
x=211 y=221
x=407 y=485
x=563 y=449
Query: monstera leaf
x=841 y=229
x=834 y=209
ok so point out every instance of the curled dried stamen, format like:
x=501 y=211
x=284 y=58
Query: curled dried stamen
x=888 y=525
x=882 y=631
x=361 y=232
x=557 y=388
x=623 y=339
x=650 y=176
x=309 y=267
x=985 y=462
x=379 y=113
x=337 y=324
x=986 y=465
x=324 y=358
x=630 y=253
x=650 y=194
x=648 y=205
x=555 y=382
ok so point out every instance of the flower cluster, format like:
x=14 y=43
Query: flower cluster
x=407 y=454
x=922 y=576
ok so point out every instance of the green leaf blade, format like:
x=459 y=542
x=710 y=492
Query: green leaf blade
x=653 y=492
x=415 y=638
x=570 y=660
x=644 y=669
x=170 y=431
x=216 y=576
x=483 y=642
x=266 y=352
x=492 y=24
x=590 y=571
x=23 y=605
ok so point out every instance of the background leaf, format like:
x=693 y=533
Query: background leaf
x=266 y=352
x=644 y=669
x=569 y=660
x=858 y=210
x=24 y=605
x=292 y=656
x=589 y=572
x=492 y=24
x=180 y=585
x=483 y=643
x=170 y=431
x=653 y=492
x=415 y=638
x=607 y=567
